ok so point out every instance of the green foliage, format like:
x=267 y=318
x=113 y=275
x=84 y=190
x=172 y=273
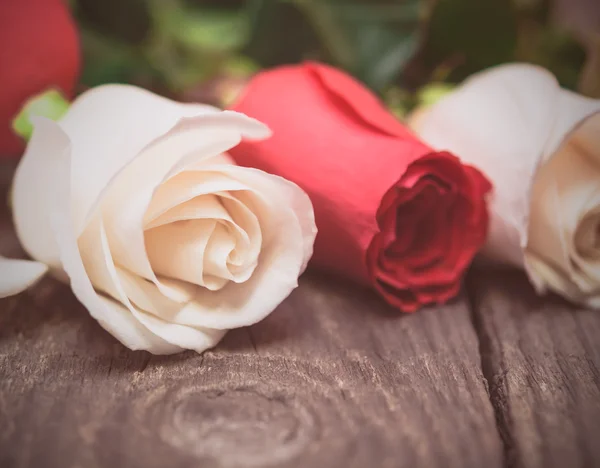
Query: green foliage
x=372 y=40
x=127 y=21
x=396 y=47
x=108 y=61
x=211 y=30
x=474 y=34
x=50 y=104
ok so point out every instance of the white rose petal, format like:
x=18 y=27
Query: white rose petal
x=132 y=198
x=517 y=125
x=113 y=316
x=563 y=253
x=18 y=275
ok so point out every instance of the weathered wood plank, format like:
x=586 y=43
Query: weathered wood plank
x=327 y=380
x=333 y=378
x=542 y=359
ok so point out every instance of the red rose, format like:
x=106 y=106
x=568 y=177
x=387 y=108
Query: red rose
x=39 y=49
x=391 y=212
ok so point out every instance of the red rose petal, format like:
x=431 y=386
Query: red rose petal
x=40 y=50
x=357 y=99
x=438 y=294
x=433 y=252
x=403 y=299
x=377 y=190
x=433 y=240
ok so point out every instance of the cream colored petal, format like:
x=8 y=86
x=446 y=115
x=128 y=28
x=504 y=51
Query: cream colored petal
x=128 y=198
x=592 y=302
x=136 y=294
x=553 y=278
x=222 y=158
x=566 y=191
x=573 y=110
x=178 y=291
x=556 y=205
x=109 y=126
x=584 y=141
x=99 y=265
x=500 y=121
x=114 y=317
x=196 y=338
x=203 y=207
x=105 y=142
x=145 y=295
x=248 y=229
x=586 y=240
x=187 y=186
x=126 y=327
x=288 y=194
x=219 y=251
x=32 y=185
x=243 y=251
x=577 y=197
x=213 y=283
x=164 y=211
x=199 y=194
x=18 y=275
x=287 y=226
x=98 y=262
x=177 y=250
x=102 y=141
x=152 y=306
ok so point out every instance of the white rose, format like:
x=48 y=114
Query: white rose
x=540 y=146
x=132 y=199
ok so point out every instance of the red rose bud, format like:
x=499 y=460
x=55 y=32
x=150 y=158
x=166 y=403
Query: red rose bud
x=39 y=50
x=392 y=213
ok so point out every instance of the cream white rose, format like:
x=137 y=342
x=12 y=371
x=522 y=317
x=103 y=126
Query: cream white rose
x=132 y=199
x=540 y=146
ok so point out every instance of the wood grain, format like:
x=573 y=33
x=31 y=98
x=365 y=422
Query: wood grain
x=542 y=358
x=331 y=379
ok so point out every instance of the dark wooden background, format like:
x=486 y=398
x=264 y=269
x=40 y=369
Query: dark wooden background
x=333 y=378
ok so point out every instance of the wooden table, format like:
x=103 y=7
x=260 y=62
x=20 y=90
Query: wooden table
x=333 y=378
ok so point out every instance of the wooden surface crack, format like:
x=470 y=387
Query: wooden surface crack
x=493 y=380
x=540 y=356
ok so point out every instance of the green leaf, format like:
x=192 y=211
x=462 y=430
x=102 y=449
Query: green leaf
x=107 y=60
x=122 y=20
x=373 y=40
x=213 y=30
x=382 y=55
x=280 y=34
x=204 y=29
x=475 y=34
x=240 y=67
x=50 y=104
x=433 y=92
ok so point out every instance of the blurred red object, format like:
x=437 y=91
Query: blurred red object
x=39 y=49
x=392 y=213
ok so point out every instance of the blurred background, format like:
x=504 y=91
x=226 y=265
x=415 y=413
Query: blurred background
x=407 y=51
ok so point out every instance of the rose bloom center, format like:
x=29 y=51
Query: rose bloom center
x=207 y=239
